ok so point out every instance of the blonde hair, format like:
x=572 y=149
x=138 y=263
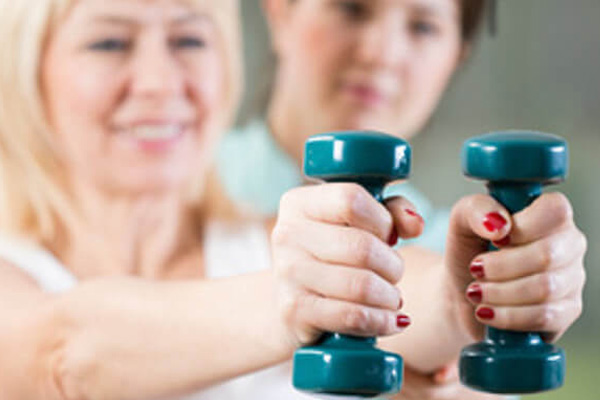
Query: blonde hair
x=33 y=196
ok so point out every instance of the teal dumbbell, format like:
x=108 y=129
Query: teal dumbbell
x=342 y=364
x=515 y=165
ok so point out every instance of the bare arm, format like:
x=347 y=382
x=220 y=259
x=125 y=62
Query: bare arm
x=435 y=336
x=127 y=338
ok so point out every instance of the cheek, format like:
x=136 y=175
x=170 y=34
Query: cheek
x=78 y=98
x=318 y=54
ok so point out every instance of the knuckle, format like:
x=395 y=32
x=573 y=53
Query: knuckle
x=291 y=307
x=384 y=323
x=561 y=207
x=357 y=319
x=287 y=199
x=364 y=247
x=547 y=286
x=547 y=254
x=363 y=286
x=282 y=233
x=545 y=318
x=583 y=240
x=397 y=270
x=578 y=307
x=353 y=198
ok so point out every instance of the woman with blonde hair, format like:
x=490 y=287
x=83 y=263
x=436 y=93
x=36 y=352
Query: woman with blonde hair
x=114 y=284
x=109 y=113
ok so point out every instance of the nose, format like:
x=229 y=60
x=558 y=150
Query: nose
x=383 y=43
x=155 y=72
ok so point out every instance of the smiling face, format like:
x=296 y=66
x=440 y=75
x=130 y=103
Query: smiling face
x=133 y=91
x=365 y=64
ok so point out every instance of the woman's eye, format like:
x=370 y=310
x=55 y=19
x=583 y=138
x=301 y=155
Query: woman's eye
x=352 y=9
x=189 y=43
x=110 y=45
x=423 y=28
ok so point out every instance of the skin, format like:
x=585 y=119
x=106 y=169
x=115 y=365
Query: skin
x=110 y=68
x=109 y=71
x=131 y=238
x=384 y=65
x=359 y=65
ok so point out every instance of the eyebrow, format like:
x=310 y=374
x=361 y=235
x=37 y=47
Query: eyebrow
x=427 y=9
x=121 y=20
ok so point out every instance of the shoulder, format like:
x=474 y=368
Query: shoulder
x=36 y=263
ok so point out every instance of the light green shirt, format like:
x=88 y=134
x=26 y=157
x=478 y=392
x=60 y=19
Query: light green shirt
x=256 y=172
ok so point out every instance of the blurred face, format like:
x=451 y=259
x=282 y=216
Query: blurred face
x=366 y=64
x=132 y=88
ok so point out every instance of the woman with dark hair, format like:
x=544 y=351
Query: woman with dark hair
x=348 y=64
x=384 y=65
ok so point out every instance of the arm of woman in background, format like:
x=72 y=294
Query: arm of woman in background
x=129 y=339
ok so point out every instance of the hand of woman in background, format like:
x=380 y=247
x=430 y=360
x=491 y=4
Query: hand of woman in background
x=336 y=268
x=442 y=385
x=533 y=283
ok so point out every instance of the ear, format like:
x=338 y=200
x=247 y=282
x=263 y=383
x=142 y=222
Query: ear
x=277 y=14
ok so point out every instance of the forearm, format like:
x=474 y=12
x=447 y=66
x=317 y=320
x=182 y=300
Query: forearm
x=435 y=336
x=128 y=339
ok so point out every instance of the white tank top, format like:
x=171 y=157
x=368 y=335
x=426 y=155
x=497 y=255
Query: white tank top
x=229 y=250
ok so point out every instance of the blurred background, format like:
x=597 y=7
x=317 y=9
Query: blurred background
x=539 y=71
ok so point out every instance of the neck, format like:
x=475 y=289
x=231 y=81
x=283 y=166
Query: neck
x=145 y=235
x=286 y=127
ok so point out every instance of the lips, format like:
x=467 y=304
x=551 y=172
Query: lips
x=365 y=94
x=154 y=136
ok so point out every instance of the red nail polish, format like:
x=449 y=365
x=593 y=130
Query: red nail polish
x=414 y=214
x=476 y=269
x=393 y=237
x=485 y=313
x=402 y=321
x=502 y=242
x=475 y=294
x=493 y=222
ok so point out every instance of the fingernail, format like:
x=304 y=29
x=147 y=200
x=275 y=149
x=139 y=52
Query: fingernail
x=493 y=222
x=502 y=242
x=393 y=237
x=474 y=293
x=402 y=321
x=485 y=313
x=413 y=213
x=476 y=269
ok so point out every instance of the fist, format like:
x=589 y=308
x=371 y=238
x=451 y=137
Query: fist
x=335 y=266
x=533 y=283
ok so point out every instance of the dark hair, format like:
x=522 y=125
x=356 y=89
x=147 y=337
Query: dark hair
x=472 y=15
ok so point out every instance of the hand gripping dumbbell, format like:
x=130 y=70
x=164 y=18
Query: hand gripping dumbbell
x=341 y=364
x=515 y=165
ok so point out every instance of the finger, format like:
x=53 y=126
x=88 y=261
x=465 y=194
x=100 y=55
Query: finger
x=474 y=221
x=406 y=220
x=348 y=318
x=346 y=204
x=541 y=288
x=446 y=374
x=548 y=254
x=549 y=213
x=348 y=284
x=342 y=246
x=548 y=317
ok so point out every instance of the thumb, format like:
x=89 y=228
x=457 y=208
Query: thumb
x=474 y=222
